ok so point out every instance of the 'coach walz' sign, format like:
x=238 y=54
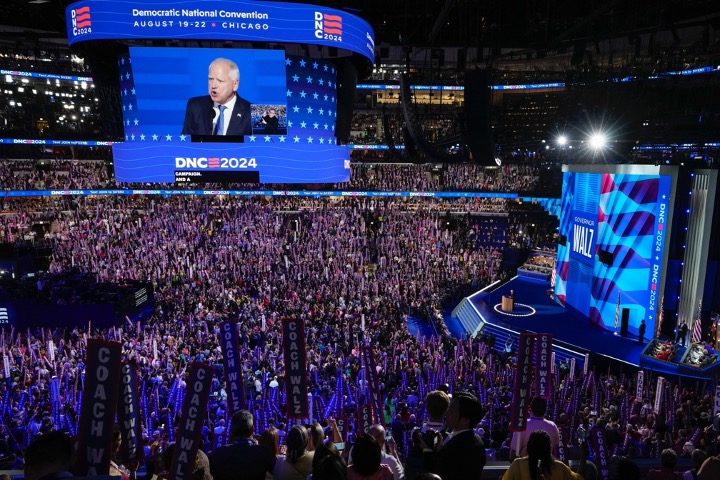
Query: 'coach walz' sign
x=193 y=414
x=295 y=372
x=230 y=345
x=99 y=400
x=129 y=416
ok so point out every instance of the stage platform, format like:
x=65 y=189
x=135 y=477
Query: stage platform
x=537 y=311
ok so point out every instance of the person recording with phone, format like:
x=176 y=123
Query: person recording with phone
x=222 y=111
x=389 y=455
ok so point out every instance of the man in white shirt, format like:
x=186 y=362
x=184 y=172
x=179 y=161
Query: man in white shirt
x=377 y=431
x=538 y=407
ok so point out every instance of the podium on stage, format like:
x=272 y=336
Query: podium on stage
x=507 y=303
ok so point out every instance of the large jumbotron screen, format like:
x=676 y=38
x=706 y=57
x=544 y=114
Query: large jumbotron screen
x=168 y=129
x=614 y=225
x=228 y=115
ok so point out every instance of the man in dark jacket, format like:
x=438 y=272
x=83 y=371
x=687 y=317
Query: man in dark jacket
x=243 y=458
x=462 y=454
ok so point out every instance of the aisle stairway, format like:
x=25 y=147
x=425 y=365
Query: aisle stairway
x=474 y=322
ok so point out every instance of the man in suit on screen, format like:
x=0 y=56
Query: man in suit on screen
x=222 y=111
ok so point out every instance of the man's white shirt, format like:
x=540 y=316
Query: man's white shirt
x=227 y=114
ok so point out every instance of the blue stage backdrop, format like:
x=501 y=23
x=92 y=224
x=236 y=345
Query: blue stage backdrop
x=615 y=227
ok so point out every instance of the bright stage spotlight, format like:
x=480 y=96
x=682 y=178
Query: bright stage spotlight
x=562 y=140
x=597 y=141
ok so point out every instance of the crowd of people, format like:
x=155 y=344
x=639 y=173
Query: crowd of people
x=54 y=109
x=662 y=350
x=79 y=174
x=701 y=355
x=452 y=177
x=352 y=269
x=539 y=262
x=55 y=173
x=368 y=127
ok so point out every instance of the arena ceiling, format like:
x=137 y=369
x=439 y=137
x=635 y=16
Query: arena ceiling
x=538 y=24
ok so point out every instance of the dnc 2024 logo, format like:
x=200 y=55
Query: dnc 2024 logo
x=81 y=21
x=328 y=27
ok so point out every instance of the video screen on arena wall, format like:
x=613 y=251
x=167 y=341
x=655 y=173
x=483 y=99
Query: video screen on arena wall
x=277 y=124
x=614 y=226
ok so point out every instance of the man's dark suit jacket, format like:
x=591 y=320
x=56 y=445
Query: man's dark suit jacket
x=199 y=116
x=460 y=458
x=241 y=461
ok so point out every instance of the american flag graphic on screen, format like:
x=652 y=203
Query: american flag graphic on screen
x=310 y=100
